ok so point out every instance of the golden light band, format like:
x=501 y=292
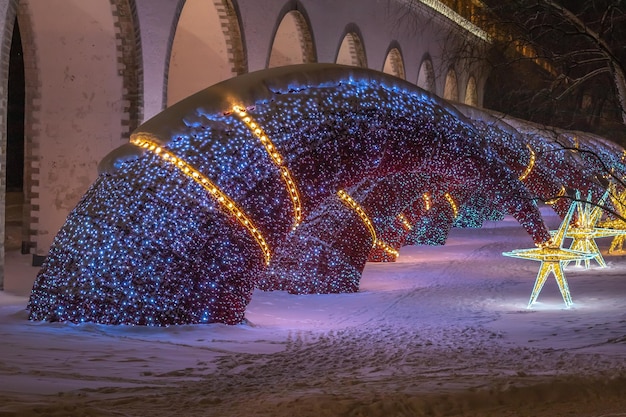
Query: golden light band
x=227 y=205
x=277 y=159
x=427 y=201
x=405 y=222
x=455 y=208
x=531 y=164
x=349 y=201
x=561 y=193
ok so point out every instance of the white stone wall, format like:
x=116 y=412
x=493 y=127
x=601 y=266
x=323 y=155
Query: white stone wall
x=80 y=104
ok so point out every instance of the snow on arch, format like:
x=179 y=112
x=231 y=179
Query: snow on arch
x=182 y=222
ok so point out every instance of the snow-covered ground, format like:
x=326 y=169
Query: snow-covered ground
x=442 y=332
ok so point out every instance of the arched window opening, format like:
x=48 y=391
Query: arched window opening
x=451 y=89
x=471 y=95
x=393 y=64
x=14 y=206
x=426 y=76
x=292 y=43
x=351 y=51
x=206 y=49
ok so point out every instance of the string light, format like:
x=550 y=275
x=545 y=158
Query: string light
x=558 y=196
x=405 y=222
x=277 y=159
x=228 y=205
x=531 y=164
x=147 y=246
x=427 y=201
x=455 y=209
x=351 y=203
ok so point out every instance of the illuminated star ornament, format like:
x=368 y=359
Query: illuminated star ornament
x=617 y=224
x=584 y=231
x=552 y=258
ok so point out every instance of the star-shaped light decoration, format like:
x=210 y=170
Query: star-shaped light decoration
x=552 y=257
x=584 y=231
x=617 y=224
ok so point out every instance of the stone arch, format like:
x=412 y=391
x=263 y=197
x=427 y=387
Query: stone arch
x=292 y=42
x=351 y=50
x=75 y=109
x=471 y=93
x=5 y=51
x=394 y=63
x=451 y=87
x=207 y=48
x=426 y=75
x=129 y=62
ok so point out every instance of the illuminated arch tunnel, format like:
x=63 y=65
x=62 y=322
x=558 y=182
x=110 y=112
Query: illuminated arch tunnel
x=288 y=178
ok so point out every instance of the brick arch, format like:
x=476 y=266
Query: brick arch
x=471 y=92
x=292 y=23
x=195 y=60
x=351 y=50
x=32 y=132
x=5 y=53
x=451 y=86
x=129 y=62
x=394 y=63
x=426 y=75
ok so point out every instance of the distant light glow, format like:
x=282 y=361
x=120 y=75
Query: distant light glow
x=444 y=10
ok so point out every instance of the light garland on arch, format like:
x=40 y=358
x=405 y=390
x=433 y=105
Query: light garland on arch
x=277 y=159
x=427 y=201
x=560 y=194
x=351 y=203
x=405 y=222
x=455 y=208
x=531 y=164
x=227 y=204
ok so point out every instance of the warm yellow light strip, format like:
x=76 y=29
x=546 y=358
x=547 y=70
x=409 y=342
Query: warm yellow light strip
x=405 y=222
x=427 y=201
x=387 y=248
x=531 y=164
x=561 y=193
x=349 y=201
x=444 y=10
x=225 y=202
x=455 y=209
x=277 y=159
